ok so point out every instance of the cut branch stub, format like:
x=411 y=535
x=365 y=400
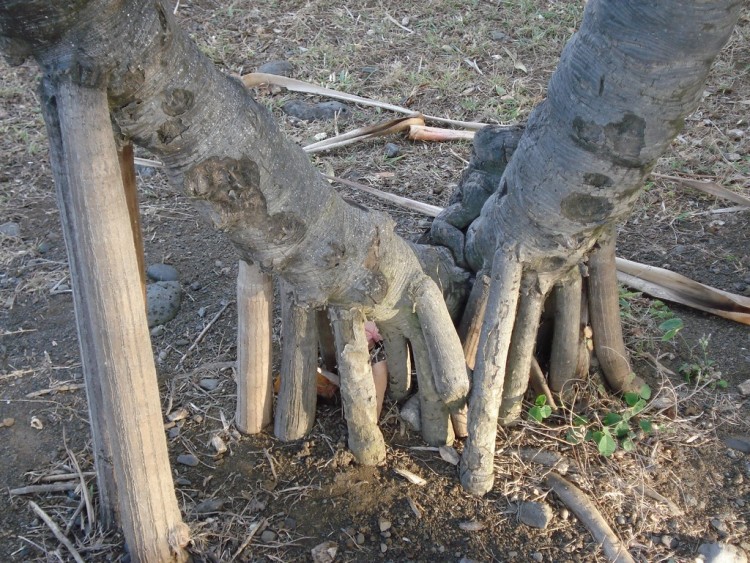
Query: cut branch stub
x=295 y=406
x=254 y=357
x=357 y=386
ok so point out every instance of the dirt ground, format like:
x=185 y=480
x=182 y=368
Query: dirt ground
x=477 y=61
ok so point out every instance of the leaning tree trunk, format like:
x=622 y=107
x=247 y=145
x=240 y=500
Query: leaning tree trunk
x=624 y=85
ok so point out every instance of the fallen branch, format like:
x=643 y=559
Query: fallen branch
x=671 y=286
x=258 y=78
x=56 y=531
x=363 y=133
x=424 y=133
x=711 y=188
x=49 y=488
x=590 y=517
x=254 y=527
x=418 y=206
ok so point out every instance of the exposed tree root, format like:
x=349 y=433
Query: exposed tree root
x=590 y=517
x=567 y=333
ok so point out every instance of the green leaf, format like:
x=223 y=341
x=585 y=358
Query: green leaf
x=628 y=445
x=579 y=420
x=536 y=413
x=541 y=400
x=572 y=437
x=546 y=411
x=622 y=429
x=670 y=328
x=606 y=443
x=611 y=418
x=639 y=406
x=645 y=392
x=631 y=398
x=722 y=384
x=646 y=425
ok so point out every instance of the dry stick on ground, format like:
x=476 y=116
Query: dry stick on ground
x=111 y=317
x=711 y=188
x=590 y=517
x=49 y=488
x=295 y=406
x=254 y=350
x=84 y=489
x=203 y=332
x=56 y=531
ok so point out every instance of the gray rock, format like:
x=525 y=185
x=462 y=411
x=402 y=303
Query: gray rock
x=162 y=272
x=535 y=514
x=182 y=482
x=158 y=330
x=739 y=443
x=209 y=505
x=315 y=112
x=44 y=247
x=384 y=524
x=498 y=35
x=162 y=302
x=208 y=384
x=279 y=68
x=410 y=413
x=722 y=553
x=720 y=527
x=145 y=171
x=173 y=432
x=268 y=536
x=744 y=388
x=10 y=229
x=187 y=459
x=537 y=556
x=391 y=150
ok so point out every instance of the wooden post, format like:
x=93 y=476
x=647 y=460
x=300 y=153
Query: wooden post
x=118 y=363
x=295 y=407
x=254 y=356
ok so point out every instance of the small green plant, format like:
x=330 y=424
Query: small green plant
x=541 y=409
x=615 y=429
x=703 y=369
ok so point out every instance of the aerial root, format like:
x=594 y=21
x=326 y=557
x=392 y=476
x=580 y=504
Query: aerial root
x=567 y=331
x=357 y=386
x=477 y=461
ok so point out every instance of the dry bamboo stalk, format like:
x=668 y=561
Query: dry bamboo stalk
x=363 y=133
x=427 y=133
x=254 y=352
x=424 y=208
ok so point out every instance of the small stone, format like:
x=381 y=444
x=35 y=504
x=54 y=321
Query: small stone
x=535 y=514
x=218 y=444
x=391 y=150
x=722 y=553
x=208 y=384
x=537 y=556
x=668 y=541
x=162 y=302
x=733 y=156
x=735 y=134
x=7 y=422
x=383 y=548
x=316 y=112
x=410 y=413
x=268 y=536
x=44 y=247
x=187 y=459
x=739 y=443
x=719 y=526
x=279 y=68
x=324 y=552
x=744 y=388
x=145 y=171
x=209 y=505
x=195 y=286
x=10 y=229
x=290 y=523
x=498 y=35
x=162 y=272
x=173 y=432
x=384 y=524
x=182 y=482
x=158 y=330
x=180 y=414
x=360 y=539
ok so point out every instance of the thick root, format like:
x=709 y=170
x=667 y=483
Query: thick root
x=567 y=331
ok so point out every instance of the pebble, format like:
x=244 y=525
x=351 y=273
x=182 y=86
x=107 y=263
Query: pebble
x=7 y=422
x=735 y=134
x=10 y=229
x=195 y=286
x=722 y=553
x=497 y=35
x=739 y=443
x=158 y=330
x=187 y=459
x=360 y=539
x=279 y=68
x=720 y=527
x=311 y=112
x=268 y=536
x=391 y=150
x=44 y=247
x=219 y=445
x=744 y=388
x=668 y=541
x=290 y=523
x=162 y=302
x=208 y=384
x=535 y=514
x=383 y=548
x=536 y=556
x=173 y=432
x=182 y=482
x=384 y=524
x=162 y=272
x=209 y=505
x=410 y=413
x=145 y=171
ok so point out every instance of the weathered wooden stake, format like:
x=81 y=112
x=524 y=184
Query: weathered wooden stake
x=254 y=354
x=116 y=351
x=295 y=406
x=127 y=169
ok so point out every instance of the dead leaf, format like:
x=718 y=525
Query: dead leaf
x=324 y=552
x=411 y=477
x=472 y=526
